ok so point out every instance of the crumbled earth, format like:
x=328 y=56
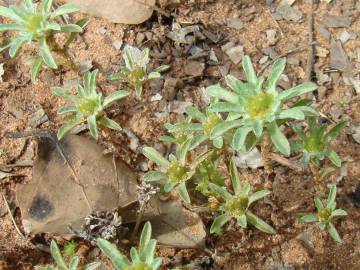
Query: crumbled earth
x=202 y=41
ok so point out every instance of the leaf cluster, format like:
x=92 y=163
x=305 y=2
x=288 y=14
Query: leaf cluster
x=142 y=258
x=35 y=24
x=87 y=106
x=61 y=264
x=325 y=214
x=135 y=71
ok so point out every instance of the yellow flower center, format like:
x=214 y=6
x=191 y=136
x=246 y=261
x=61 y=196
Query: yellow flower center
x=139 y=266
x=259 y=106
x=212 y=120
x=33 y=23
x=176 y=172
x=138 y=76
x=87 y=106
x=237 y=205
x=324 y=215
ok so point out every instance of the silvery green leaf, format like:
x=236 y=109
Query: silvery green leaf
x=333 y=232
x=154 y=75
x=319 y=205
x=15 y=45
x=332 y=195
x=245 y=190
x=299 y=131
x=217 y=91
x=279 y=139
x=162 y=68
x=308 y=218
x=155 y=265
x=305 y=158
x=242 y=221
x=10 y=27
x=239 y=137
x=196 y=141
x=297 y=91
x=334 y=132
x=46 y=54
x=335 y=159
x=92 y=266
x=46 y=7
x=275 y=73
x=93 y=126
x=183 y=150
x=66 y=128
x=118 y=260
x=220 y=190
x=218 y=222
x=259 y=223
x=183 y=193
x=233 y=116
x=249 y=70
x=115 y=96
x=236 y=85
x=144 y=239
x=107 y=122
x=65 y=9
x=169 y=186
x=225 y=107
x=71 y=28
x=235 y=178
x=308 y=111
x=10 y=14
x=67 y=109
x=218 y=142
x=149 y=252
x=223 y=127
x=138 y=90
x=338 y=213
x=35 y=69
x=258 y=195
x=74 y=262
x=53 y=26
x=322 y=226
x=257 y=127
x=154 y=176
x=56 y=254
x=168 y=139
x=195 y=113
x=156 y=157
x=292 y=113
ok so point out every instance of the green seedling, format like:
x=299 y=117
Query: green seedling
x=141 y=259
x=325 y=214
x=208 y=172
x=256 y=107
x=88 y=106
x=70 y=248
x=315 y=142
x=62 y=265
x=135 y=71
x=198 y=128
x=37 y=25
x=237 y=205
x=175 y=172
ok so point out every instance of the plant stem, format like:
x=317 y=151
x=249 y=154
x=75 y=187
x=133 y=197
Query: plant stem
x=266 y=152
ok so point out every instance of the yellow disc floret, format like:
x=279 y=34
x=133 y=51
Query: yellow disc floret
x=87 y=106
x=237 y=205
x=33 y=23
x=212 y=120
x=259 y=105
x=324 y=215
x=138 y=266
x=176 y=172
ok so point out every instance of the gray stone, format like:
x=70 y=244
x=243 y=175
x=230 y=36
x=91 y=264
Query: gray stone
x=235 y=54
x=37 y=118
x=235 y=23
x=337 y=21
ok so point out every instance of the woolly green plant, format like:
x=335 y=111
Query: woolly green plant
x=88 y=106
x=325 y=214
x=256 y=107
x=314 y=143
x=37 y=25
x=237 y=205
x=135 y=72
x=142 y=258
x=62 y=265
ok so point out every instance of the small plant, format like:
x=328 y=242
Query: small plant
x=70 y=248
x=135 y=70
x=198 y=131
x=314 y=143
x=60 y=262
x=325 y=214
x=141 y=259
x=256 y=109
x=35 y=25
x=237 y=205
x=208 y=172
x=176 y=171
x=87 y=106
